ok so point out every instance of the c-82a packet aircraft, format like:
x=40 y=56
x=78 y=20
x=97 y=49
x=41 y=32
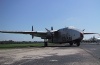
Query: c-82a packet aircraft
x=69 y=35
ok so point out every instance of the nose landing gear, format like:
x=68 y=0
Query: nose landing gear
x=45 y=43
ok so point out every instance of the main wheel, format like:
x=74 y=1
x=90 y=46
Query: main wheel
x=78 y=43
x=71 y=43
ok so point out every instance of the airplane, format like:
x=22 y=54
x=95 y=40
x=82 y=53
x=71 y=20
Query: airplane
x=69 y=35
x=97 y=39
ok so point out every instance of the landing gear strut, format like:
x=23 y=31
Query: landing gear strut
x=78 y=43
x=71 y=43
x=45 y=43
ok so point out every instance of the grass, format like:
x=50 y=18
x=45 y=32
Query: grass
x=21 y=45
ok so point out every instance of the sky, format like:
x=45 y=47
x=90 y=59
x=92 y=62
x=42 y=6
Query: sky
x=21 y=15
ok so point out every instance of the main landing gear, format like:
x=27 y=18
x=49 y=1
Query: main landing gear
x=45 y=43
x=71 y=43
x=77 y=43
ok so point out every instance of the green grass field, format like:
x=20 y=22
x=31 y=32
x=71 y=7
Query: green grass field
x=22 y=45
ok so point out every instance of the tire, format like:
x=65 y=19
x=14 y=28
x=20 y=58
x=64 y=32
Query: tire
x=71 y=43
x=78 y=43
x=45 y=44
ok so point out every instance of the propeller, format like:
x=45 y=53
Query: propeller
x=32 y=28
x=32 y=34
x=51 y=33
x=51 y=28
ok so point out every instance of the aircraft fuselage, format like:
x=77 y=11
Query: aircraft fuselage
x=66 y=35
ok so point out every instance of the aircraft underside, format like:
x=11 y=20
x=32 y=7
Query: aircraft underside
x=77 y=42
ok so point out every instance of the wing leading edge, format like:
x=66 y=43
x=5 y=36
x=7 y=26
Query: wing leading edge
x=41 y=34
x=35 y=33
x=91 y=33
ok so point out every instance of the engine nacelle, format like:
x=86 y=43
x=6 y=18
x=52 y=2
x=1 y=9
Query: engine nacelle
x=49 y=35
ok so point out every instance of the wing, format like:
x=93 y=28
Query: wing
x=92 y=33
x=34 y=33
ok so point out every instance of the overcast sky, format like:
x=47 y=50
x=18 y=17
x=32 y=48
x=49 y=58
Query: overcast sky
x=20 y=15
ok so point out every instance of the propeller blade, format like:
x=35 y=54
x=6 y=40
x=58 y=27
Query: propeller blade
x=32 y=28
x=32 y=34
x=51 y=28
x=47 y=30
x=52 y=34
x=52 y=37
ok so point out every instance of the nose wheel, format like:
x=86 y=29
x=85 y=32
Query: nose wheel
x=45 y=43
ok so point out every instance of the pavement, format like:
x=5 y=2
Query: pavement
x=85 y=54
